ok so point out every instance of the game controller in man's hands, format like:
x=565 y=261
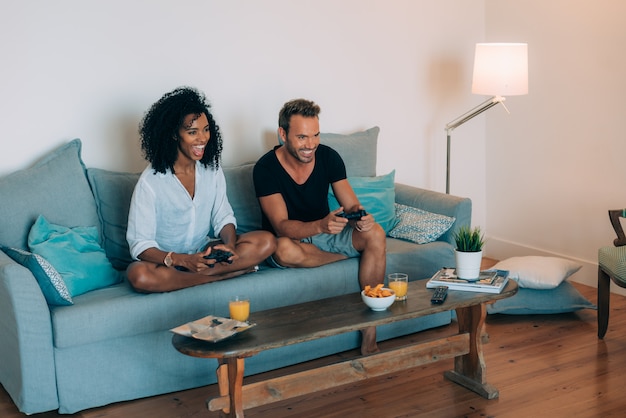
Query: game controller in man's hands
x=219 y=256
x=353 y=215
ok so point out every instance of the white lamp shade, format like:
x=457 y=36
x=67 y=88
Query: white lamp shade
x=500 y=69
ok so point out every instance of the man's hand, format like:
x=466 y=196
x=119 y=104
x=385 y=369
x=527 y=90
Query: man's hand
x=333 y=224
x=365 y=223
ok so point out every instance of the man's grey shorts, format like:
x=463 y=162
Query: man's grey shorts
x=333 y=243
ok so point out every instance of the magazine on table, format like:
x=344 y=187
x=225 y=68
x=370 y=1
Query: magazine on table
x=488 y=281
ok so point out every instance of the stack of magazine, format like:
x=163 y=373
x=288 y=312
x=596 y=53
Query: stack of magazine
x=489 y=281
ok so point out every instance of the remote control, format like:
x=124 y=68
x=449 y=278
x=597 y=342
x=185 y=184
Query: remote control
x=440 y=294
x=219 y=256
x=354 y=215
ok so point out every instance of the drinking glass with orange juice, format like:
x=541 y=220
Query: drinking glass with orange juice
x=239 y=307
x=399 y=283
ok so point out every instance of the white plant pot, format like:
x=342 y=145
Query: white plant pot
x=468 y=264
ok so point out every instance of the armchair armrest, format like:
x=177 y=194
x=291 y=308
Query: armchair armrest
x=27 y=370
x=444 y=204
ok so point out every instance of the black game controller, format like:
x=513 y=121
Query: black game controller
x=219 y=256
x=354 y=215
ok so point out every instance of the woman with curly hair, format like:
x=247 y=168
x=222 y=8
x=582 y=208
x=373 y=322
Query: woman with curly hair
x=179 y=212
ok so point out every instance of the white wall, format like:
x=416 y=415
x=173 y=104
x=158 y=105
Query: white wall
x=90 y=69
x=556 y=164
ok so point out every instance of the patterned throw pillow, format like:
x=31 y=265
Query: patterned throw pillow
x=418 y=225
x=52 y=285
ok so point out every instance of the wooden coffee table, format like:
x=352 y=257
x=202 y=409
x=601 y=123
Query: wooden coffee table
x=323 y=318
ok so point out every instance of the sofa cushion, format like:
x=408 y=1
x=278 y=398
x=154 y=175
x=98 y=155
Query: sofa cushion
x=242 y=197
x=52 y=285
x=56 y=187
x=75 y=253
x=113 y=191
x=419 y=226
x=130 y=312
x=357 y=149
x=376 y=194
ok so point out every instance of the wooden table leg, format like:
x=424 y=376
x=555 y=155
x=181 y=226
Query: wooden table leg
x=230 y=382
x=469 y=369
x=222 y=383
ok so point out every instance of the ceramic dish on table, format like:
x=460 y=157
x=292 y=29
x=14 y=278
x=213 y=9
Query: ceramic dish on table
x=379 y=303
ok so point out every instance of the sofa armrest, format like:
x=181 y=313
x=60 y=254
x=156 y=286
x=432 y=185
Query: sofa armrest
x=27 y=370
x=444 y=204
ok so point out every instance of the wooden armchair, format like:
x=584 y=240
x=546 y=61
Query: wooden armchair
x=611 y=266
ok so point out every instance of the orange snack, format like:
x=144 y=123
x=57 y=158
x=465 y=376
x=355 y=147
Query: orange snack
x=377 y=292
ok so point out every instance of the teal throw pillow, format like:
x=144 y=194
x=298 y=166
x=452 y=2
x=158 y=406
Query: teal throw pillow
x=419 y=226
x=376 y=194
x=75 y=253
x=563 y=298
x=52 y=285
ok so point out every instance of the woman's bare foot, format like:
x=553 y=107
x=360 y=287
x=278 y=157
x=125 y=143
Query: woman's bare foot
x=368 y=341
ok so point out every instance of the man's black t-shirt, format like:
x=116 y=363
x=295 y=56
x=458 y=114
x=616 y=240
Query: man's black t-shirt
x=305 y=202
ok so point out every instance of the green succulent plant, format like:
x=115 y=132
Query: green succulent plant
x=469 y=240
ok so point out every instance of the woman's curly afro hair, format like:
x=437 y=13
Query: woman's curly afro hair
x=160 y=125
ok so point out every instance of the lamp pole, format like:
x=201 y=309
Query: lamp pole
x=487 y=104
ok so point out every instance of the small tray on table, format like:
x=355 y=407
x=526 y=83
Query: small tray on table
x=212 y=328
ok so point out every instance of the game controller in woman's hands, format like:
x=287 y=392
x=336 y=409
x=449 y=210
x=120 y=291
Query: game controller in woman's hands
x=219 y=256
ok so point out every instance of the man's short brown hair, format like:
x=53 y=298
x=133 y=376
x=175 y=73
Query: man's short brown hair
x=301 y=107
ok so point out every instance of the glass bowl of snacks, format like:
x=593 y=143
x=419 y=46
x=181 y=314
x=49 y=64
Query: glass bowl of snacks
x=378 y=298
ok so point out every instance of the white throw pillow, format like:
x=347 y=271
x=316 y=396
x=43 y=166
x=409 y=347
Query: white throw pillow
x=537 y=272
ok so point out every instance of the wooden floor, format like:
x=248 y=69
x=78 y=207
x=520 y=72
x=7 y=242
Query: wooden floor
x=543 y=365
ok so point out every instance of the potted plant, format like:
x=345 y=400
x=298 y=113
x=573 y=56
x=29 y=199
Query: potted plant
x=469 y=252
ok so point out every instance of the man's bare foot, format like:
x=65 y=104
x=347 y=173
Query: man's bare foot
x=368 y=341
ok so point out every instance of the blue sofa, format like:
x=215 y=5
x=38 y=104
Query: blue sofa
x=113 y=344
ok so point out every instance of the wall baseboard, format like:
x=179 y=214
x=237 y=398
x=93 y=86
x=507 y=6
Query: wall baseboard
x=588 y=275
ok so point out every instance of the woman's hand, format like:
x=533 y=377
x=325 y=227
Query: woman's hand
x=213 y=253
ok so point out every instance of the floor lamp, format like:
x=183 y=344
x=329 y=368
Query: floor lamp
x=500 y=69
